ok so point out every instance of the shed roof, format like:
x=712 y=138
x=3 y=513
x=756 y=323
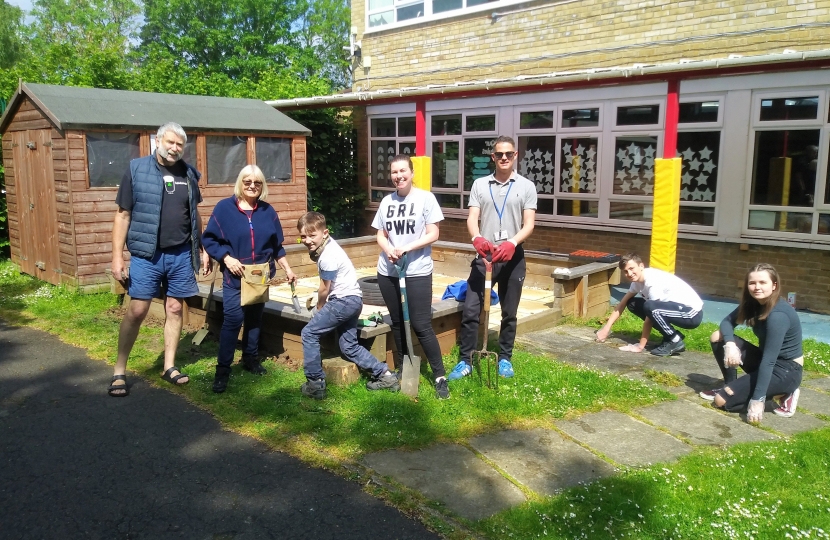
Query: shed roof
x=71 y=107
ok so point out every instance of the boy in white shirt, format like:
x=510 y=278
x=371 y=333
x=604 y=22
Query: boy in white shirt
x=666 y=301
x=339 y=303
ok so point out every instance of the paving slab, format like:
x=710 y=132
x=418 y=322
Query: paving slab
x=604 y=359
x=701 y=425
x=815 y=402
x=542 y=459
x=452 y=475
x=797 y=423
x=624 y=439
x=819 y=383
x=696 y=375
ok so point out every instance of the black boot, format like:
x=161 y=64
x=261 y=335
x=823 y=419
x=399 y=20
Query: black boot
x=253 y=364
x=220 y=380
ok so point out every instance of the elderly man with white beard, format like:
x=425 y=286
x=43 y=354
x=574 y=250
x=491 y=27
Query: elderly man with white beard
x=159 y=223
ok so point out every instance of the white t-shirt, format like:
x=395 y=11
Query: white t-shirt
x=335 y=266
x=405 y=220
x=665 y=287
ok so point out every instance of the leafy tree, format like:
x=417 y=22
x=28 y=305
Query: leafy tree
x=81 y=42
x=332 y=177
x=323 y=30
x=10 y=34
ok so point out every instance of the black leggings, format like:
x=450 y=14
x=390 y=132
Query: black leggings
x=665 y=314
x=786 y=375
x=419 y=298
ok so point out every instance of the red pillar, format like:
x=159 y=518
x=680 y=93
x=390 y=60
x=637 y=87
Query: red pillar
x=672 y=117
x=421 y=127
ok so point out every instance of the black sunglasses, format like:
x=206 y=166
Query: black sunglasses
x=508 y=155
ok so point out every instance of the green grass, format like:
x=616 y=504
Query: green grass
x=663 y=377
x=760 y=490
x=816 y=353
x=352 y=421
x=777 y=489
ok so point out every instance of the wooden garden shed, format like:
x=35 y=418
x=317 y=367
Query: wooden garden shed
x=66 y=149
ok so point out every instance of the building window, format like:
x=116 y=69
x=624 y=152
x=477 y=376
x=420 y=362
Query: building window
x=461 y=145
x=226 y=156
x=273 y=157
x=388 y=137
x=109 y=155
x=638 y=115
x=788 y=191
x=385 y=13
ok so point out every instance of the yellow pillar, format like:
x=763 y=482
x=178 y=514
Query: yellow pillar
x=665 y=214
x=422 y=179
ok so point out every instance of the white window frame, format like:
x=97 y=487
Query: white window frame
x=821 y=124
x=398 y=141
x=429 y=16
x=460 y=190
x=698 y=127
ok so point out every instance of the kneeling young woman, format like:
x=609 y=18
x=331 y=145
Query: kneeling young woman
x=774 y=367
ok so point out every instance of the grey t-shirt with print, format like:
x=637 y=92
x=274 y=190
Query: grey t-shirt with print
x=489 y=195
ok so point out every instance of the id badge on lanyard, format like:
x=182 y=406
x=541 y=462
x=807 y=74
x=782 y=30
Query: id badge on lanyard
x=501 y=234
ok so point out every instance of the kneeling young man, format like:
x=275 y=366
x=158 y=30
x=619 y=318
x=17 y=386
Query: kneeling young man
x=339 y=303
x=667 y=301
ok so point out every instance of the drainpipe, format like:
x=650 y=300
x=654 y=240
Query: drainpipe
x=421 y=127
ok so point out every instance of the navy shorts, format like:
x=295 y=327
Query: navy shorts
x=170 y=269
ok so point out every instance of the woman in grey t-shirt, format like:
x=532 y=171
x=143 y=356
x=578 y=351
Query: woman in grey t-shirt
x=407 y=222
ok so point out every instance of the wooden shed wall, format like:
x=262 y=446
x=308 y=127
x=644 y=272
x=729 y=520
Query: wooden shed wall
x=94 y=208
x=28 y=117
x=85 y=215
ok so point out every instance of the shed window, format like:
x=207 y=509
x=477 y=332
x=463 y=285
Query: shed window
x=226 y=156
x=109 y=155
x=273 y=156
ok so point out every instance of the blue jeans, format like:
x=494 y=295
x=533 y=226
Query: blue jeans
x=340 y=315
x=235 y=316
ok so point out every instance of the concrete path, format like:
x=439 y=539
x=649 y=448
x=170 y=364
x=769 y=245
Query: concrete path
x=75 y=463
x=496 y=471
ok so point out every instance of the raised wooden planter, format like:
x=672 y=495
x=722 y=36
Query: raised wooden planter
x=582 y=291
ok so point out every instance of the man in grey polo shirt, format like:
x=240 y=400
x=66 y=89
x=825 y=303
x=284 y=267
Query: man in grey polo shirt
x=505 y=202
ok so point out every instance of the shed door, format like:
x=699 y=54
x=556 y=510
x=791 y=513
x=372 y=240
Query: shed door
x=35 y=182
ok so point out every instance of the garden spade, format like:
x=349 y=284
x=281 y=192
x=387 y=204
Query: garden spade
x=294 y=299
x=203 y=332
x=411 y=374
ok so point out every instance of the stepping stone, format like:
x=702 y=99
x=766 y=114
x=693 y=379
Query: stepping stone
x=542 y=459
x=602 y=358
x=815 y=402
x=702 y=425
x=695 y=374
x=797 y=423
x=451 y=474
x=819 y=383
x=624 y=439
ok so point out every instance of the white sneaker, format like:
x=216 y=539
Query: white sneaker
x=788 y=404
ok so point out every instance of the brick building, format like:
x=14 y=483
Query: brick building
x=593 y=91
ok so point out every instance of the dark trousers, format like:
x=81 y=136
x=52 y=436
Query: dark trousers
x=786 y=375
x=664 y=315
x=419 y=301
x=509 y=276
x=235 y=316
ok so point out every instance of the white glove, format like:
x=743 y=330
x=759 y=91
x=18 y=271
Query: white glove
x=732 y=355
x=755 y=410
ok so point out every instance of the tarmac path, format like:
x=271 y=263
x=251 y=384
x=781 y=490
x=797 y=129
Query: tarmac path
x=76 y=463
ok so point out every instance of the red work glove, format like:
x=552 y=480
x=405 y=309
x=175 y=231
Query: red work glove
x=483 y=246
x=504 y=252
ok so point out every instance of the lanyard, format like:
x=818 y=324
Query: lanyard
x=504 y=202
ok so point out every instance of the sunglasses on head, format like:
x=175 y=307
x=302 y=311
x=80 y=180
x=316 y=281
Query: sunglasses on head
x=247 y=183
x=500 y=155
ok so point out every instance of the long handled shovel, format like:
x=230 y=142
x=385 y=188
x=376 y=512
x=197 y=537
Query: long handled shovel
x=411 y=375
x=203 y=332
x=484 y=355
